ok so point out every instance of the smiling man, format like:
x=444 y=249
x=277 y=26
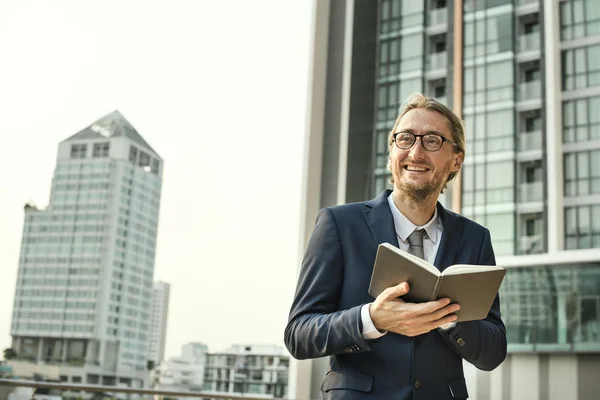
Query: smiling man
x=384 y=347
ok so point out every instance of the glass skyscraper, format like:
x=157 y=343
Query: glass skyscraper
x=84 y=287
x=525 y=77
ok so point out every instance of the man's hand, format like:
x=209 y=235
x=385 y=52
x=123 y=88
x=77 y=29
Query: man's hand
x=389 y=313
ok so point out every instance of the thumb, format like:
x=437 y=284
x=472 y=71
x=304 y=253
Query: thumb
x=396 y=291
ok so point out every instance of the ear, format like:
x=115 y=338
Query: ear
x=389 y=163
x=457 y=161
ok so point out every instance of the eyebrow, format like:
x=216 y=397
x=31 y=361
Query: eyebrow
x=408 y=130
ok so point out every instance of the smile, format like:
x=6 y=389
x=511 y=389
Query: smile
x=415 y=168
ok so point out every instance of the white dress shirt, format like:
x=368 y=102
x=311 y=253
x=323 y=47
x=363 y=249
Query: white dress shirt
x=404 y=228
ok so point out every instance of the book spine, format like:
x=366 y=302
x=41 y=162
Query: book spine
x=436 y=288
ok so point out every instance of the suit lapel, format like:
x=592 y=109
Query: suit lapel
x=380 y=220
x=450 y=238
x=381 y=223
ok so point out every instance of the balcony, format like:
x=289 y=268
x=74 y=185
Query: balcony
x=529 y=42
x=530 y=90
x=437 y=16
x=437 y=61
x=530 y=141
x=530 y=192
x=531 y=244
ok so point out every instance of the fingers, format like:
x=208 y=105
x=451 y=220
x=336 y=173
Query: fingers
x=449 y=309
x=432 y=306
x=393 y=292
x=443 y=321
x=425 y=322
x=429 y=326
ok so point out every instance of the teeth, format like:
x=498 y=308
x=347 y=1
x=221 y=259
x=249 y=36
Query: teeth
x=412 y=168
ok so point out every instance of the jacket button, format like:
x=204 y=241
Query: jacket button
x=460 y=341
x=417 y=385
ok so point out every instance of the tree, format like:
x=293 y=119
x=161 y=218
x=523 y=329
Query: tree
x=10 y=354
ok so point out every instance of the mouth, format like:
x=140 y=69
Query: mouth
x=416 y=168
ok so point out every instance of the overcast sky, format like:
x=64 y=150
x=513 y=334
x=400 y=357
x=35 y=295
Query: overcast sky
x=218 y=89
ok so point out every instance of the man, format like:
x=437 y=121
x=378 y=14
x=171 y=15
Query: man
x=386 y=348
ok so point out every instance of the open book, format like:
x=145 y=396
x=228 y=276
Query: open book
x=474 y=287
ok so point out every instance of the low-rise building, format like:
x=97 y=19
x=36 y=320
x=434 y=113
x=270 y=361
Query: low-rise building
x=248 y=369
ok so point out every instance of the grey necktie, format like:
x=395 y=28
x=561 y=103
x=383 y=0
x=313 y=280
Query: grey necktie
x=415 y=243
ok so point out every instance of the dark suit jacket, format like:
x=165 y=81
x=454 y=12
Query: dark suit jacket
x=325 y=315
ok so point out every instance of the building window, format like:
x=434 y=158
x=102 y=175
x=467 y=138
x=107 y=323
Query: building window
x=405 y=54
x=489 y=83
x=399 y=14
x=582 y=173
x=579 y=18
x=133 y=155
x=581 y=67
x=78 y=150
x=144 y=160
x=155 y=166
x=552 y=308
x=496 y=185
x=582 y=227
x=100 y=150
x=488 y=36
x=490 y=132
x=472 y=5
x=581 y=120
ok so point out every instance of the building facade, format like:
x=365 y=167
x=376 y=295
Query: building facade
x=184 y=373
x=523 y=75
x=84 y=286
x=158 y=322
x=255 y=370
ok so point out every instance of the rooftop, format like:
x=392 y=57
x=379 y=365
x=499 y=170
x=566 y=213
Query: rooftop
x=111 y=125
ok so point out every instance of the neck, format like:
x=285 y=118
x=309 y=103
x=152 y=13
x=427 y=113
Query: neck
x=417 y=212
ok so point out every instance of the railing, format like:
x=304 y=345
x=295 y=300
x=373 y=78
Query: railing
x=530 y=90
x=437 y=61
x=530 y=41
x=530 y=140
x=531 y=244
x=115 y=389
x=533 y=191
x=524 y=2
x=437 y=16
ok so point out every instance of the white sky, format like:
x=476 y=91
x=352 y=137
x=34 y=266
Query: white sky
x=218 y=89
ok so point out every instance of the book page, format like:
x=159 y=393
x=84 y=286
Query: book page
x=419 y=261
x=468 y=269
x=474 y=291
x=393 y=266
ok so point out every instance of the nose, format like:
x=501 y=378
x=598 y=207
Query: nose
x=417 y=151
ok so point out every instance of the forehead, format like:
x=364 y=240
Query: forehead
x=421 y=120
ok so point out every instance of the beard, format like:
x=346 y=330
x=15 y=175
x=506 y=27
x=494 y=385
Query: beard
x=420 y=192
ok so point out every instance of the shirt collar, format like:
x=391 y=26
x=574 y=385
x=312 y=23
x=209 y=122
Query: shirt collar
x=404 y=227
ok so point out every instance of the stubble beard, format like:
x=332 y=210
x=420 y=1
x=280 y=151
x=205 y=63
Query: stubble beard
x=421 y=194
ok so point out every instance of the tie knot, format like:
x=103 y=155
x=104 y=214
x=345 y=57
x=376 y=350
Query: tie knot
x=416 y=238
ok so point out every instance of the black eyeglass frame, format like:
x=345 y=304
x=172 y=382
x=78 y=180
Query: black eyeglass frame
x=415 y=136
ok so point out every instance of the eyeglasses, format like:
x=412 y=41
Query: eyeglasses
x=429 y=141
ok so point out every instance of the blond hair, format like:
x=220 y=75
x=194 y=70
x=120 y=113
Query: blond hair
x=418 y=100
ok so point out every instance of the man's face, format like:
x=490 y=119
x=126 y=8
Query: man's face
x=419 y=173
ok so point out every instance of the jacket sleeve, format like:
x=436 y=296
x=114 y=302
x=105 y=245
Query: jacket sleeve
x=481 y=343
x=316 y=327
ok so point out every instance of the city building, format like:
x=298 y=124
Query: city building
x=256 y=370
x=184 y=373
x=84 y=286
x=158 y=322
x=524 y=76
